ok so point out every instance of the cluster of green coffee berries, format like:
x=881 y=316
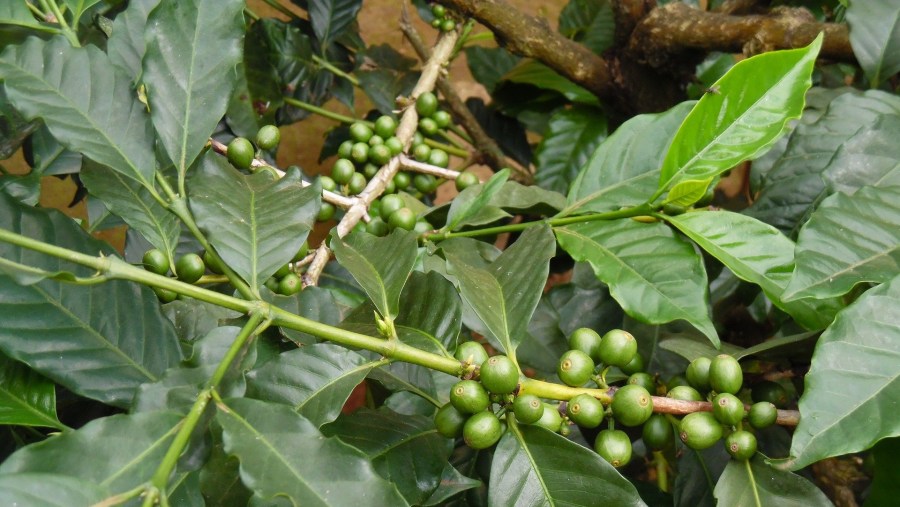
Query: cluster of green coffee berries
x=442 y=20
x=190 y=267
x=241 y=152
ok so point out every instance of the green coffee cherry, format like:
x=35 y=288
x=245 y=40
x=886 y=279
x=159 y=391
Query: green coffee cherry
x=267 y=137
x=289 y=285
x=644 y=380
x=675 y=381
x=428 y=126
x=586 y=340
x=449 y=421
x=585 y=411
x=282 y=271
x=725 y=375
x=155 y=261
x=762 y=415
x=442 y=118
x=212 y=263
x=394 y=145
x=614 y=446
x=741 y=445
x=465 y=180
x=402 y=180
x=421 y=152
x=471 y=352
x=403 y=218
x=424 y=183
x=728 y=409
x=550 y=419
x=617 y=348
x=499 y=375
x=240 y=152
x=528 y=408
x=360 y=132
x=426 y=104
x=635 y=365
x=345 y=148
x=342 y=171
x=189 y=268
x=657 y=433
x=684 y=393
x=632 y=405
x=327 y=183
x=697 y=374
x=380 y=154
x=575 y=368
x=469 y=397
x=385 y=126
x=165 y=295
x=359 y=153
x=439 y=158
x=700 y=430
x=390 y=204
x=378 y=227
x=482 y=430
x=326 y=212
x=357 y=184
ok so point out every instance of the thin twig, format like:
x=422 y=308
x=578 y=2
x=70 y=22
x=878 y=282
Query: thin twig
x=421 y=167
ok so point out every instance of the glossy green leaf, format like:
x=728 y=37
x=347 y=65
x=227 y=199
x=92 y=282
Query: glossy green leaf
x=624 y=169
x=63 y=85
x=655 y=276
x=255 y=224
x=48 y=157
x=315 y=380
x=192 y=48
x=758 y=253
x=698 y=472
x=571 y=137
x=405 y=450
x=870 y=157
x=590 y=22
x=756 y=99
x=534 y=73
x=885 y=488
x=330 y=18
x=853 y=380
x=795 y=184
x=315 y=303
x=283 y=454
x=48 y=490
x=753 y=483
x=848 y=240
x=14 y=129
x=488 y=65
x=26 y=398
x=528 y=199
x=875 y=38
x=505 y=294
x=452 y=483
x=193 y=318
x=118 y=452
x=131 y=201
x=16 y=13
x=25 y=188
x=472 y=200
x=687 y=192
x=127 y=45
x=79 y=7
x=535 y=467
x=75 y=334
x=380 y=265
x=691 y=349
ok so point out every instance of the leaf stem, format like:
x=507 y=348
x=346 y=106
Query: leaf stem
x=50 y=6
x=753 y=483
x=324 y=112
x=325 y=64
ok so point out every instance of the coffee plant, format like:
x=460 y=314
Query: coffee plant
x=676 y=285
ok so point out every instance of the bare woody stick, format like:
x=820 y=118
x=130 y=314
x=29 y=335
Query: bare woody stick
x=443 y=50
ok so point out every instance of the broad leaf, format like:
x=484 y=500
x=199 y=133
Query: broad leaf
x=755 y=252
x=853 y=380
x=534 y=73
x=795 y=183
x=315 y=380
x=698 y=472
x=755 y=100
x=869 y=157
x=380 y=265
x=100 y=341
x=875 y=38
x=85 y=101
x=488 y=65
x=255 y=224
x=131 y=201
x=687 y=192
x=691 y=349
x=624 y=169
x=535 y=467
x=753 y=483
x=473 y=199
x=847 y=240
x=528 y=199
x=590 y=22
x=655 y=276
x=14 y=129
x=192 y=49
x=885 y=488
x=505 y=294
x=571 y=137
x=26 y=398
x=452 y=483
x=118 y=452
x=315 y=303
x=48 y=490
x=282 y=454
x=127 y=45
x=15 y=12
x=330 y=18
x=47 y=157
x=405 y=450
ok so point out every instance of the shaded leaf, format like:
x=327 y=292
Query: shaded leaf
x=87 y=104
x=26 y=398
x=852 y=381
x=624 y=169
x=590 y=22
x=875 y=38
x=848 y=240
x=316 y=303
x=380 y=265
x=754 y=483
x=532 y=72
x=655 y=276
x=698 y=472
x=571 y=138
x=508 y=132
x=488 y=65
x=756 y=99
x=691 y=349
x=14 y=129
x=48 y=490
x=505 y=293
x=283 y=454
x=521 y=199
x=315 y=380
x=255 y=224
x=405 y=450
x=535 y=467
x=869 y=157
x=127 y=45
x=452 y=483
x=331 y=17
x=118 y=452
x=17 y=13
x=192 y=47
x=885 y=488
x=48 y=158
x=473 y=199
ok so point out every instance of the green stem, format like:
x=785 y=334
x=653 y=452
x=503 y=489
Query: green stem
x=254 y=326
x=250 y=14
x=662 y=471
x=325 y=64
x=753 y=483
x=324 y=112
x=452 y=150
x=554 y=391
x=50 y=6
x=461 y=133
